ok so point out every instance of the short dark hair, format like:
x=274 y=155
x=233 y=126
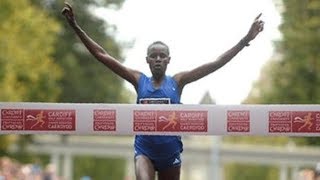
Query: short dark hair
x=158 y=42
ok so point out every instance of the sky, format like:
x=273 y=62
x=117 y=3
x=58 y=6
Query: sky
x=197 y=32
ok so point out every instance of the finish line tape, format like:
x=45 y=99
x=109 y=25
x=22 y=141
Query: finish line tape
x=154 y=119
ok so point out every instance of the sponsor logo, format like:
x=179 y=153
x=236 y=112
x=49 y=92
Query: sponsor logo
x=155 y=101
x=294 y=121
x=176 y=161
x=104 y=120
x=170 y=121
x=144 y=120
x=38 y=119
x=280 y=121
x=238 y=121
x=12 y=119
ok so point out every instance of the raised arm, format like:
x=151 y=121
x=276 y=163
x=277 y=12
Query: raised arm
x=98 y=52
x=186 y=77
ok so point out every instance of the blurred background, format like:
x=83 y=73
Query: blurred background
x=41 y=60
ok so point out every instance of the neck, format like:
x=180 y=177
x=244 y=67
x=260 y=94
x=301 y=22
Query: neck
x=157 y=81
x=158 y=77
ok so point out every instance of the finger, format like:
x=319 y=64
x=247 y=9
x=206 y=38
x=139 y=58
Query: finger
x=68 y=5
x=261 y=29
x=64 y=10
x=261 y=24
x=258 y=17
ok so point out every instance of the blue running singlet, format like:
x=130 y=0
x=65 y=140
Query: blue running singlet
x=163 y=151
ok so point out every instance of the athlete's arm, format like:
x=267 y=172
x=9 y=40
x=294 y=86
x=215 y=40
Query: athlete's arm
x=186 y=77
x=98 y=52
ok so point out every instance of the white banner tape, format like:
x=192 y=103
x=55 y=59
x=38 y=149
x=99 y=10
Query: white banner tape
x=130 y=119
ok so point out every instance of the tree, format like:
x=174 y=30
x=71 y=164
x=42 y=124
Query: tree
x=26 y=48
x=24 y=74
x=293 y=77
x=85 y=79
x=250 y=172
x=99 y=168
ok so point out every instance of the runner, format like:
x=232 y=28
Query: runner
x=159 y=153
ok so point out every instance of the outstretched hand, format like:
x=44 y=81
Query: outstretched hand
x=68 y=13
x=256 y=28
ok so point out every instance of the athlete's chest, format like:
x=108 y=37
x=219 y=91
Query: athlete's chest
x=165 y=90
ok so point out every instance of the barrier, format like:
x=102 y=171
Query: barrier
x=159 y=119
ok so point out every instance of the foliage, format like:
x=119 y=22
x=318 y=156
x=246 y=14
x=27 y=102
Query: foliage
x=5 y=142
x=250 y=172
x=99 y=168
x=86 y=80
x=26 y=45
x=30 y=158
x=42 y=59
x=293 y=77
x=290 y=77
x=27 y=39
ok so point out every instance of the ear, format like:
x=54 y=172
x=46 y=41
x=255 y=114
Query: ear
x=169 y=58
x=147 y=60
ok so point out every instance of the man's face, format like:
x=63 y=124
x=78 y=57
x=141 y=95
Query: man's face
x=158 y=58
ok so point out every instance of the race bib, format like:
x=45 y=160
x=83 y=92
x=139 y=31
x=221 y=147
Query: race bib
x=154 y=101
